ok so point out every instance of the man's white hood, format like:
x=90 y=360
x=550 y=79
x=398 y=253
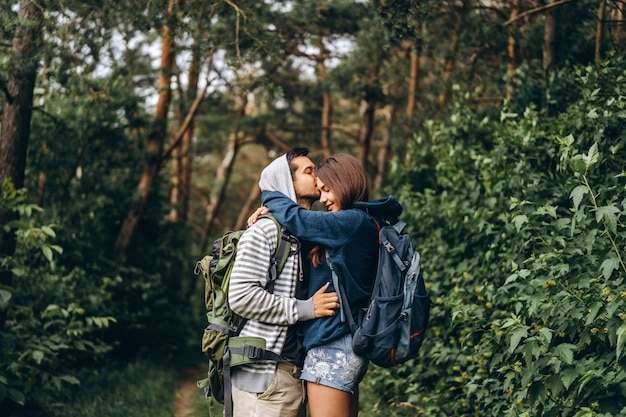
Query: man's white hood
x=277 y=177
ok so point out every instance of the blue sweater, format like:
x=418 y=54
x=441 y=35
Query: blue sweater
x=350 y=238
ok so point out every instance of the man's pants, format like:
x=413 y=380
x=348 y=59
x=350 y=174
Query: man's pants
x=284 y=397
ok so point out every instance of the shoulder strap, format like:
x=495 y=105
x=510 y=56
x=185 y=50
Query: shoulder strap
x=287 y=245
x=344 y=306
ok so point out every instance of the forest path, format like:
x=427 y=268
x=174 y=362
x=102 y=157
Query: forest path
x=186 y=391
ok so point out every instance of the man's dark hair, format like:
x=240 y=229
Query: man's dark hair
x=294 y=153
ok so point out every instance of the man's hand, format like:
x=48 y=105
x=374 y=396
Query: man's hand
x=255 y=216
x=325 y=303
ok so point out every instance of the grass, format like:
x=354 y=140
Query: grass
x=138 y=389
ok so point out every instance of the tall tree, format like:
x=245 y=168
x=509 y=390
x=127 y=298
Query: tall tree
x=451 y=59
x=600 y=30
x=17 y=111
x=182 y=157
x=156 y=138
x=618 y=26
x=550 y=39
x=327 y=101
x=511 y=50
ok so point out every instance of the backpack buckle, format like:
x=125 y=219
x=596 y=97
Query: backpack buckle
x=252 y=352
x=389 y=247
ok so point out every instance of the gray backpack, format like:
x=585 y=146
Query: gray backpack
x=391 y=329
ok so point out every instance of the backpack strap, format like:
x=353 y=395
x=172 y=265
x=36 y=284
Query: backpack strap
x=286 y=246
x=344 y=306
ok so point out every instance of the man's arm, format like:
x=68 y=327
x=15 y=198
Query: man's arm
x=247 y=294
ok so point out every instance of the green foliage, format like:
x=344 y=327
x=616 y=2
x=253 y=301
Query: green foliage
x=520 y=225
x=46 y=331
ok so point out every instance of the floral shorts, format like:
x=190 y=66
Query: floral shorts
x=335 y=365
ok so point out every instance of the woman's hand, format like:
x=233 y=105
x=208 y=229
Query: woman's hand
x=325 y=303
x=257 y=213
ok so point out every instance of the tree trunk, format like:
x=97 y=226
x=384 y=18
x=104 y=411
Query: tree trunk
x=511 y=49
x=222 y=177
x=181 y=170
x=17 y=111
x=600 y=31
x=246 y=209
x=385 y=147
x=327 y=108
x=152 y=160
x=618 y=34
x=368 y=107
x=413 y=83
x=451 y=61
x=550 y=40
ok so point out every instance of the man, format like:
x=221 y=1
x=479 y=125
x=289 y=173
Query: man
x=269 y=388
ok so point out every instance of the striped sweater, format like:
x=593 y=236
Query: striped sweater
x=268 y=314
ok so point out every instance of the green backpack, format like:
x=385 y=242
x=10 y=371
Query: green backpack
x=221 y=342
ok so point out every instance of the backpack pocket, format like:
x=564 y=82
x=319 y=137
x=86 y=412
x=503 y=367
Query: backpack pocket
x=214 y=343
x=376 y=336
x=417 y=310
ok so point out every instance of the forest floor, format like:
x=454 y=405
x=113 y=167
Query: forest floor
x=186 y=392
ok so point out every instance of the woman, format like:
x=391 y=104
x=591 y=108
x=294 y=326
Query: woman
x=346 y=238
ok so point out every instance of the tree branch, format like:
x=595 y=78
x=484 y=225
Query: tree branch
x=535 y=10
x=183 y=128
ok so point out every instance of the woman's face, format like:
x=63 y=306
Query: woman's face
x=327 y=197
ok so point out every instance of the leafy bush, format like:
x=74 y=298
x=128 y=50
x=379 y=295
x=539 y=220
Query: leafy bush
x=519 y=222
x=47 y=330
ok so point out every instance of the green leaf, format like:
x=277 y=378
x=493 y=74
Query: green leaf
x=578 y=164
x=547 y=334
x=621 y=340
x=608 y=266
x=516 y=337
x=577 y=195
x=5 y=296
x=592 y=114
x=588 y=377
x=16 y=396
x=549 y=210
x=593 y=313
x=48 y=230
x=609 y=215
x=519 y=221
x=565 y=352
x=511 y=278
x=585 y=412
x=38 y=356
x=47 y=252
x=592 y=156
x=70 y=379
x=568 y=376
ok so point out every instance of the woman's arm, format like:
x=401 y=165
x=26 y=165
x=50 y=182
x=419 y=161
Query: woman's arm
x=331 y=229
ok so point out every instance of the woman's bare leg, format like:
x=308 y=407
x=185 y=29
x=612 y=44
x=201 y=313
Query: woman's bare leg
x=330 y=402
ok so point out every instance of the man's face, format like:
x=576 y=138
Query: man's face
x=304 y=179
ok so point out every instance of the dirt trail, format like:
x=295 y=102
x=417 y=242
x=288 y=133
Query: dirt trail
x=186 y=391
